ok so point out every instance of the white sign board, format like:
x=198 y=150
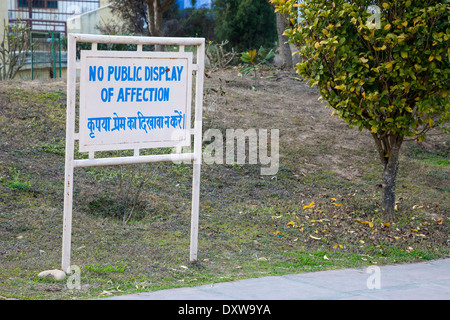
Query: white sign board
x=132 y=100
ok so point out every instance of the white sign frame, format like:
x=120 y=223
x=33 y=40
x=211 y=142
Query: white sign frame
x=196 y=130
x=95 y=92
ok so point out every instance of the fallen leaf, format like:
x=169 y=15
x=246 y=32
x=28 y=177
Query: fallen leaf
x=291 y=223
x=263 y=259
x=325 y=257
x=368 y=223
x=311 y=205
x=315 y=238
x=337 y=204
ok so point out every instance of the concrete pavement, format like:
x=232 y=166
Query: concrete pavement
x=418 y=281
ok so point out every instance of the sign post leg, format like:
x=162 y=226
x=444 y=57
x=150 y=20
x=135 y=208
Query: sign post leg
x=197 y=150
x=67 y=219
x=70 y=147
x=195 y=210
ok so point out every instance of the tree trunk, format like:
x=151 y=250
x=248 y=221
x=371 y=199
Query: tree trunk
x=388 y=147
x=157 y=19
x=155 y=10
x=285 y=48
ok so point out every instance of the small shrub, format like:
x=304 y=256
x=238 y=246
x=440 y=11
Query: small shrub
x=255 y=60
x=13 y=49
x=217 y=55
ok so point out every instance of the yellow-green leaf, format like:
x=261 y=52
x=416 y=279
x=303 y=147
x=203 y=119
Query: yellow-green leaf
x=389 y=66
x=311 y=205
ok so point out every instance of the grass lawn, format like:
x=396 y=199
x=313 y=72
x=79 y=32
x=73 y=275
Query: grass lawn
x=320 y=211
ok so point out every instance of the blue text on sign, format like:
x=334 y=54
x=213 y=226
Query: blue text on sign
x=135 y=73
